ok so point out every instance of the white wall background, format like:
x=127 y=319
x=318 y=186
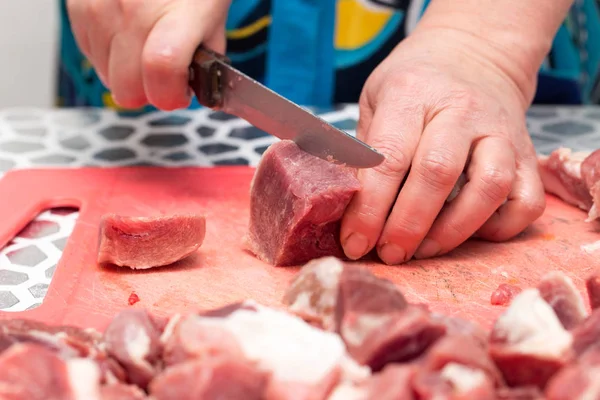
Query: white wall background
x=28 y=52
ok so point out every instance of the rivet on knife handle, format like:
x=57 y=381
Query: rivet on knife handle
x=205 y=77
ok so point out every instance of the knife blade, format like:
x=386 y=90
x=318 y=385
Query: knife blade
x=220 y=86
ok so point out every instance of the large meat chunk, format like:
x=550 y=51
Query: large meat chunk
x=33 y=372
x=296 y=203
x=133 y=338
x=146 y=242
x=561 y=176
x=528 y=342
x=222 y=378
x=560 y=292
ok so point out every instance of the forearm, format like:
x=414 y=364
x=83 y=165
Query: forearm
x=520 y=31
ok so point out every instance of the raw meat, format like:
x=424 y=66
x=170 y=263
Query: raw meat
x=528 y=343
x=504 y=294
x=122 y=392
x=220 y=378
x=561 y=176
x=313 y=292
x=454 y=381
x=147 y=242
x=590 y=168
x=520 y=393
x=579 y=381
x=296 y=203
x=586 y=335
x=560 y=292
x=593 y=290
x=33 y=372
x=133 y=339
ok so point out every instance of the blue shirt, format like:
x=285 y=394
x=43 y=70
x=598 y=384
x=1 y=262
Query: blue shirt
x=333 y=46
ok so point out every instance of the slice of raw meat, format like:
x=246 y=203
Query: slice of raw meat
x=296 y=203
x=528 y=342
x=504 y=294
x=560 y=292
x=133 y=338
x=146 y=242
x=593 y=290
x=222 y=378
x=313 y=292
x=33 y=372
x=561 y=176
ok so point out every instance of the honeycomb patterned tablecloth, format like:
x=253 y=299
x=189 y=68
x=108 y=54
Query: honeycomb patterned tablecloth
x=89 y=137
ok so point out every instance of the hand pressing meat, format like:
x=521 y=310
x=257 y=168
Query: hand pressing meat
x=147 y=242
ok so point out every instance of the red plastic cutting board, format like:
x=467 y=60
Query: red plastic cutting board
x=85 y=294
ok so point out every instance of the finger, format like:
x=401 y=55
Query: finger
x=395 y=132
x=491 y=174
x=76 y=14
x=125 y=69
x=439 y=160
x=169 y=50
x=525 y=204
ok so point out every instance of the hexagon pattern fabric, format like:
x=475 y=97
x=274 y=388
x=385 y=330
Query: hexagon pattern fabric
x=90 y=137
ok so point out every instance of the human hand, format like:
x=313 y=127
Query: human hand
x=142 y=49
x=436 y=110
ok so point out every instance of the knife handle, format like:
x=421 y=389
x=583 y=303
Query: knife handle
x=205 y=77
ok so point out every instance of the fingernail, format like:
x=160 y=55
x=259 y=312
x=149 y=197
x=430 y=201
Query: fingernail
x=391 y=254
x=428 y=248
x=356 y=246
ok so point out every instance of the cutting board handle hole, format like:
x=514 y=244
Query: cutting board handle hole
x=28 y=261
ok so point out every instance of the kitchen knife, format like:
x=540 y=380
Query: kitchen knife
x=219 y=86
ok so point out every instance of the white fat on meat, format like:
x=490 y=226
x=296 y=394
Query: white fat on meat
x=571 y=163
x=313 y=293
x=84 y=379
x=355 y=334
x=272 y=338
x=463 y=379
x=137 y=343
x=530 y=326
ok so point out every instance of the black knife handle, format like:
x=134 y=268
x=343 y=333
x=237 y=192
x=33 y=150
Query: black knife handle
x=205 y=77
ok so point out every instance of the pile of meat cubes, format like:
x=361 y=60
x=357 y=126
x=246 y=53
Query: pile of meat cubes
x=345 y=335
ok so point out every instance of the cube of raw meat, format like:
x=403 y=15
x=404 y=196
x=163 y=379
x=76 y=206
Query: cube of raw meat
x=296 y=203
x=593 y=290
x=122 y=392
x=65 y=341
x=459 y=349
x=189 y=338
x=147 y=242
x=586 y=335
x=528 y=342
x=561 y=176
x=560 y=292
x=33 y=372
x=313 y=292
x=133 y=338
x=454 y=381
x=214 y=378
x=272 y=338
x=504 y=294
x=578 y=381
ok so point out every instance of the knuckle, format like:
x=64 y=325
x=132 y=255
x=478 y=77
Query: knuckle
x=533 y=206
x=404 y=227
x=396 y=161
x=439 y=169
x=496 y=184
